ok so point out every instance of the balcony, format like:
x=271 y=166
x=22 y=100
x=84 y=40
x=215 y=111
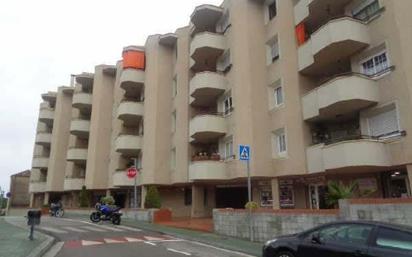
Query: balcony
x=80 y=128
x=361 y=154
x=86 y=80
x=206 y=47
x=43 y=138
x=341 y=95
x=40 y=162
x=129 y=145
x=46 y=115
x=132 y=80
x=205 y=128
x=207 y=170
x=49 y=96
x=205 y=17
x=130 y=112
x=316 y=11
x=77 y=155
x=206 y=87
x=82 y=101
x=336 y=40
x=73 y=184
x=120 y=179
x=37 y=187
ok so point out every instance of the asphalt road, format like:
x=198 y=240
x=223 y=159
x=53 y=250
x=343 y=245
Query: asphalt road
x=78 y=238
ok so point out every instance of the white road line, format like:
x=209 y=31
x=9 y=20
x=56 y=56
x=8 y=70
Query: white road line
x=95 y=229
x=221 y=249
x=150 y=243
x=133 y=240
x=54 y=250
x=89 y=243
x=113 y=241
x=152 y=238
x=75 y=229
x=54 y=230
x=130 y=228
x=176 y=251
x=113 y=229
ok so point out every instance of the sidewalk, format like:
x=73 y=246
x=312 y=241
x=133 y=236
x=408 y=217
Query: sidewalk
x=14 y=240
x=225 y=242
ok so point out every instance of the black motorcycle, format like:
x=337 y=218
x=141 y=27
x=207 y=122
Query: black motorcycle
x=105 y=212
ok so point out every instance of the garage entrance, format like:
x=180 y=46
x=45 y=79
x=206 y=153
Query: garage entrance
x=231 y=197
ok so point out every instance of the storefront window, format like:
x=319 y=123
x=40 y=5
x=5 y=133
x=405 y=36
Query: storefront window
x=286 y=194
x=266 y=198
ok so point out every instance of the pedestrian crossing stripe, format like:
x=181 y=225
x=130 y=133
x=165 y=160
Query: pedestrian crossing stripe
x=53 y=230
x=112 y=241
x=132 y=240
x=150 y=238
x=92 y=228
x=75 y=229
x=90 y=243
x=130 y=228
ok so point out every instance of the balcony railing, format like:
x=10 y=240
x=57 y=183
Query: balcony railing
x=329 y=141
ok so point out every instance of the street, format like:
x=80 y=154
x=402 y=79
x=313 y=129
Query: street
x=78 y=238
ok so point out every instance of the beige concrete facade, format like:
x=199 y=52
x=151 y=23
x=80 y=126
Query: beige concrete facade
x=320 y=90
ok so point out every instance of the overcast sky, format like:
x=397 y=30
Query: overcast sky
x=42 y=42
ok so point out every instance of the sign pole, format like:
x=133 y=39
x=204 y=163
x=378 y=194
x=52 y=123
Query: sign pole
x=135 y=185
x=249 y=189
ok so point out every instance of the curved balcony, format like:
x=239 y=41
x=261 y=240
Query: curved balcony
x=132 y=80
x=37 y=187
x=205 y=87
x=73 y=184
x=46 y=115
x=205 y=17
x=129 y=145
x=206 y=47
x=363 y=154
x=317 y=10
x=338 y=39
x=80 y=128
x=49 y=96
x=120 y=179
x=43 y=139
x=82 y=101
x=77 y=155
x=40 y=162
x=130 y=112
x=204 y=128
x=207 y=170
x=339 y=96
x=85 y=79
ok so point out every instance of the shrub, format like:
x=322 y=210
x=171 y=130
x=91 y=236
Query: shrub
x=251 y=206
x=152 y=198
x=338 y=191
x=84 y=198
x=108 y=200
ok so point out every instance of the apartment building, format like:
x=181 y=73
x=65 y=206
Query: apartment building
x=319 y=89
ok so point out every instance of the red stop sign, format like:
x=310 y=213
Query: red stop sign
x=131 y=172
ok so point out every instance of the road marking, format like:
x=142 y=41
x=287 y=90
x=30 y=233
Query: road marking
x=176 y=251
x=130 y=228
x=54 y=250
x=150 y=243
x=89 y=243
x=75 y=229
x=132 y=240
x=54 y=230
x=112 y=241
x=94 y=229
x=113 y=229
x=151 y=238
x=221 y=249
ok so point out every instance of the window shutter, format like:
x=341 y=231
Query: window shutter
x=383 y=123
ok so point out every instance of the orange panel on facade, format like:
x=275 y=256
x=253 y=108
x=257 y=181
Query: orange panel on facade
x=134 y=59
x=301 y=34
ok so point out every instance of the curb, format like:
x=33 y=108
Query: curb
x=40 y=250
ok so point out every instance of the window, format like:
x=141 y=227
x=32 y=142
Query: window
x=278 y=96
x=272 y=8
x=353 y=234
x=228 y=105
x=272 y=50
x=395 y=240
x=173 y=159
x=188 y=196
x=223 y=23
x=375 y=64
x=205 y=197
x=224 y=63
x=281 y=141
x=384 y=122
x=174 y=87
x=366 y=10
x=229 y=149
x=174 y=121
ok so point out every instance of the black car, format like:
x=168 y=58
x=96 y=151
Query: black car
x=345 y=239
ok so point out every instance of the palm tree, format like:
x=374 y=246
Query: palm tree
x=337 y=191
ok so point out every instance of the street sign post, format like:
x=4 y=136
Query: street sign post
x=132 y=173
x=244 y=155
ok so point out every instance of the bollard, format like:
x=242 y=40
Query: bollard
x=33 y=218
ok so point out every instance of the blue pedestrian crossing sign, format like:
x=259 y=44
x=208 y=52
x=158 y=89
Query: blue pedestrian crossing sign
x=244 y=152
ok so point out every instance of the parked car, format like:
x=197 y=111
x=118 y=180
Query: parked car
x=344 y=239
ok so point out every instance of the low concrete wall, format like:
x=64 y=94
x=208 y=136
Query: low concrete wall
x=387 y=210
x=268 y=224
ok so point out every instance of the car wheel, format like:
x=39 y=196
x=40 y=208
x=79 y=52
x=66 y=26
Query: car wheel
x=285 y=254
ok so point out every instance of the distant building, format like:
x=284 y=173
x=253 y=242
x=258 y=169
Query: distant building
x=19 y=189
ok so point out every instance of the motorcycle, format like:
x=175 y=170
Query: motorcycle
x=105 y=212
x=56 y=210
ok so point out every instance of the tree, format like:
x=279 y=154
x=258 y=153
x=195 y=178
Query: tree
x=3 y=200
x=84 y=197
x=152 y=198
x=338 y=191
